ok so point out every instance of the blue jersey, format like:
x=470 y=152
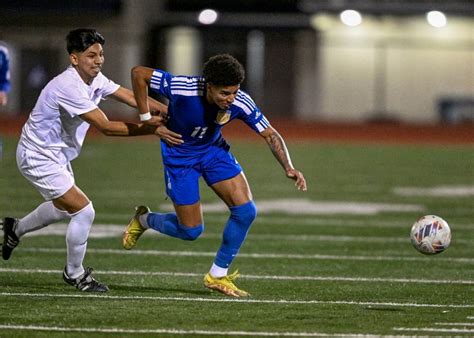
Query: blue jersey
x=199 y=122
x=4 y=69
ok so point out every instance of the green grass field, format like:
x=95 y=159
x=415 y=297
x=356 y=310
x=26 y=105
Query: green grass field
x=335 y=260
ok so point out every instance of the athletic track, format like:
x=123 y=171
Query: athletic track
x=293 y=130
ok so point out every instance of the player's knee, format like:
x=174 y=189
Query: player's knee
x=245 y=213
x=80 y=225
x=86 y=214
x=191 y=233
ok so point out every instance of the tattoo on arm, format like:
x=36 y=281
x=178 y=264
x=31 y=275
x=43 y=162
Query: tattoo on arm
x=279 y=150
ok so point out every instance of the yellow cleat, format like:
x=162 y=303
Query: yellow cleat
x=225 y=285
x=134 y=229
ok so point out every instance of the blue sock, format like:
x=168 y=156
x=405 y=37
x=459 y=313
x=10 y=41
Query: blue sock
x=235 y=231
x=168 y=224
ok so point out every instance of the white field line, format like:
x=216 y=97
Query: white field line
x=260 y=277
x=232 y=300
x=328 y=238
x=454 y=324
x=317 y=221
x=470 y=317
x=430 y=329
x=444 y=191
x=256 y=255
x=110 y=231
x=179 y=331
x=294 y=220
x=302 y=206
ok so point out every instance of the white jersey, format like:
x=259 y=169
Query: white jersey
x=55 y=128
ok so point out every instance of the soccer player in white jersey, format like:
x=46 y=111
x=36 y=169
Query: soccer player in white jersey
x=53 y=136
x=199 y=106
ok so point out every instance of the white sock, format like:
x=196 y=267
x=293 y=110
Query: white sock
x=143 y=221
x=44 y=215
x=217 y=271
x=76 y=239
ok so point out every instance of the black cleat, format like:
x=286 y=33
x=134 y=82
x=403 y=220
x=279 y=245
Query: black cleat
x=86 y=282
x=10 y=239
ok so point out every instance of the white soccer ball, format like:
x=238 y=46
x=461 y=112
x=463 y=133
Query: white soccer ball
x=430 y=235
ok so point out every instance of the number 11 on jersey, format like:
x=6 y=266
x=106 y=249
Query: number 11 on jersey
x=199 y=132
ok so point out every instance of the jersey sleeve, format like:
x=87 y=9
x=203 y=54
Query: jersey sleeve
x=106 y=86
x=250 y=113
x=160 y=83
x=4 y=69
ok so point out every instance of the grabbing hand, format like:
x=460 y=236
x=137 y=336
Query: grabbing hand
x=170 y=137
x=161 y=114
x=157 y=119
x=298 y=177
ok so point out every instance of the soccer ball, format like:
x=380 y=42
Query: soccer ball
x=430 y=235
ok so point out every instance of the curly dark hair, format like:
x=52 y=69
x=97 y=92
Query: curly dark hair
x=78 y=40
x=223 y=70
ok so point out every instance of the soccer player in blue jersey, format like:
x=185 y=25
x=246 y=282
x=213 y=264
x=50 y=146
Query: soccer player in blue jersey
x=199 y=106
x=4 y=74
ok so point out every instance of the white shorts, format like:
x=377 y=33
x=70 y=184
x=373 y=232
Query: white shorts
x=50 y=178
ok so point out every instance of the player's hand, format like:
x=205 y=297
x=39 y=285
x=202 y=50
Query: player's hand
x=161 y=114
x=298 y=177
x=156 y=120
x=170 y=137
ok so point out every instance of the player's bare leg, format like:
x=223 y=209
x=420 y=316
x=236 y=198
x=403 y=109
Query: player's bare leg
x=234 y=191
x=72 y=201
x=189 y=215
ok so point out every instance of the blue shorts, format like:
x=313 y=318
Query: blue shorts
x=182 y=180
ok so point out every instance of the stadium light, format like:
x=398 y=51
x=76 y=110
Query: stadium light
x=207 y=16
x=436 y=19
x=351 y=18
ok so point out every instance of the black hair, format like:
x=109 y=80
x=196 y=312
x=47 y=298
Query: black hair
x=223 y=70
x=78 y=40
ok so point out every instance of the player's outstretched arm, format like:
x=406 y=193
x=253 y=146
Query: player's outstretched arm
x=158 y=109
x=98 y=119
x=280 y=151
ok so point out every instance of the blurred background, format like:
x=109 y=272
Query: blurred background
x=313 y=60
